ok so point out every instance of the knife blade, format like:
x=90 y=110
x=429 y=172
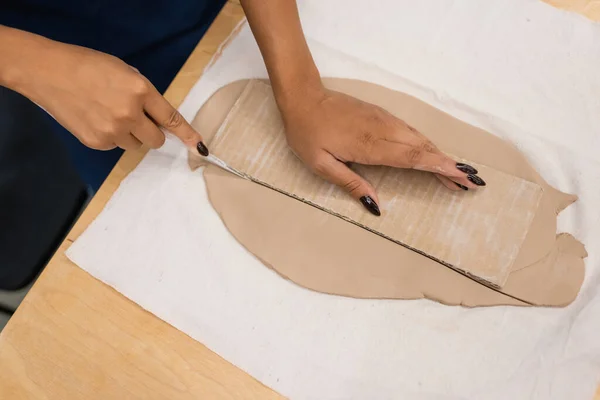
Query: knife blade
x=211 y=158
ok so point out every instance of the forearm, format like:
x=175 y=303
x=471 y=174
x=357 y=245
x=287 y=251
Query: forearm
x=278 y=32
x=16 y=48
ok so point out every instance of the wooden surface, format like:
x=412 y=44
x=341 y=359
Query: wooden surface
x=74 y=337
x=588 y=8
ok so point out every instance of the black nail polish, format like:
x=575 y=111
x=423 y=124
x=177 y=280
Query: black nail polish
x=476 y=180
x=463 y=187
x=202 y=149
x=466 y=168
x=370 y=205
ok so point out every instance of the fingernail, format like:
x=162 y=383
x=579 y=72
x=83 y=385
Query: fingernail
x=466 y=168
x=463 y=187
x=476 y=180
x=370 y=205
x=202 y=149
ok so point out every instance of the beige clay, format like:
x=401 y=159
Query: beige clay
x=324 y=253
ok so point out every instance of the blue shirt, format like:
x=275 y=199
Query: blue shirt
x=155 y=36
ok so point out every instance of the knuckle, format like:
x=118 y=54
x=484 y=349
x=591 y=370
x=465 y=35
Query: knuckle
x=366 y=138
x=156 y=142
x=109 y=128
x=411 y=128
x=125 y=114
x=414 y=155
x=175 y=120
x=352 y=186
x=320 y=166
x=139 y=86
x=427 y=146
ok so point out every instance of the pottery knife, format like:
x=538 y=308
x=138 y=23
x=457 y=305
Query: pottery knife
x=211 y=158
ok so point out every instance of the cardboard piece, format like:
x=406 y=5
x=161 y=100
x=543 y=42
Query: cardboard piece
x=478 y=232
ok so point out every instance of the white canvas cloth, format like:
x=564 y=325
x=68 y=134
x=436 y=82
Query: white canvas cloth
x=517 y=68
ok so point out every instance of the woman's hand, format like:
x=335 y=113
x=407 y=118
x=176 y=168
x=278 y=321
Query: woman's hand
x=327 y=129
x=100 y=99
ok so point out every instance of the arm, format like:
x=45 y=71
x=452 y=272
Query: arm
x=276 y=27
x=327 y=129
x=101 y=100
x=19 y=53
x=12 y=42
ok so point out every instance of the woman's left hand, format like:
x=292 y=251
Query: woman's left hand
x=327 y=129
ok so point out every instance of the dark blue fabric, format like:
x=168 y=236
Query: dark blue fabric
x=40 y=192
x=155 y=36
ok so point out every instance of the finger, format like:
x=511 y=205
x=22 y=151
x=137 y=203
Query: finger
x=408 y=135
x=469 y=179
x=418 y=157
x=455 y=187
x=159 y=109
x=408 y=156
x=148 y=133
x=128 y=142
x=339 y=174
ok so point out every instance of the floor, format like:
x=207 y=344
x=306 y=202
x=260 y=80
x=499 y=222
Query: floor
x=10 y=300
x=3 y=320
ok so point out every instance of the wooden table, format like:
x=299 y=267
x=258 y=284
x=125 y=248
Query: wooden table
x=74 y=337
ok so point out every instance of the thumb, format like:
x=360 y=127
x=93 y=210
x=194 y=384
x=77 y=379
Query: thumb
x=338 y=173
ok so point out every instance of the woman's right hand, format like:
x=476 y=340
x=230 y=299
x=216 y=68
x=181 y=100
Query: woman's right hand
x=100 y=99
